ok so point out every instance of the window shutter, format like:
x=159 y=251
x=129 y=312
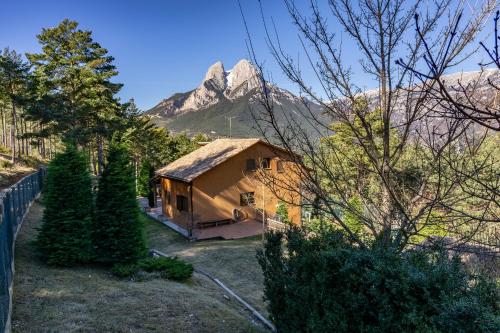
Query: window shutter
x=182 y=203
x=251 y=164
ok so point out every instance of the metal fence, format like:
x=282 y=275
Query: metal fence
x=275 y=224
x=14 y=203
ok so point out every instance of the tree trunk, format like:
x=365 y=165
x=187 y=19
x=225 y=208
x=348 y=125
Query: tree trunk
x=22 y=143
x=25 y=139
x=13 y=132
x=4 y=129
x=93 y=161
x=385 y=110
x=100 y=156
x=136 y=165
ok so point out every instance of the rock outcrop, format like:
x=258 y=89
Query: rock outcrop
x=217 y=85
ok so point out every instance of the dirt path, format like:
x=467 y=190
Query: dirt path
x=89 y=299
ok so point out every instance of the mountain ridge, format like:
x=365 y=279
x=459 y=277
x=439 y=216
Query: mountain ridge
x=221 y=94
x=233 y=94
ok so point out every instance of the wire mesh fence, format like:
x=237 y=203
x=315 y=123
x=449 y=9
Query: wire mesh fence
x=14 y=203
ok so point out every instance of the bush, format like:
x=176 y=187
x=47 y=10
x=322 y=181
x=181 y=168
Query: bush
x=124 y=270
x=282 y=212
x=170 y=268
x=64 y=237
x=118 y=231
x=325 y=284
x=5 y=164
x=319 y=225
x=155 y=264
x=5 y=150
x=178 y=271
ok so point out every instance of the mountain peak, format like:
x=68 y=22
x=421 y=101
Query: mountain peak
x=241 y=79
x=216 y=75
x=218 y=86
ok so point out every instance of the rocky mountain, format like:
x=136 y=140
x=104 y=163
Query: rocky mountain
x=221 y=95
x=225 y=94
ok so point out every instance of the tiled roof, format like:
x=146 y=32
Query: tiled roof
x=205 y=158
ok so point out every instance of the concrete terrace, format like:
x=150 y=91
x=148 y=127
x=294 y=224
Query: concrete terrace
x=238 y=230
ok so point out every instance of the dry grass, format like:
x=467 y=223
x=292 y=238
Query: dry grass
x=89 y=299
x=10 y=174
x=231 y=261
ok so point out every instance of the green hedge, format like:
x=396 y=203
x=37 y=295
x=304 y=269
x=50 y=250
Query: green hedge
x=323 y=283
x=122 y=270
x=170 y=268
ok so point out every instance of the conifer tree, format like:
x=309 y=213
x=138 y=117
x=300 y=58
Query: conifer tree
x=117 y=230
x=144 y=186
x=151 y=187
x=14 y=73
x=282 y=212
x=143 y=178
x=74 y=76
x=64 y=237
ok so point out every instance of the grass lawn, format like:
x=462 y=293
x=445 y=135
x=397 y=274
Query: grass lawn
x=231 y=261
x=89 y=299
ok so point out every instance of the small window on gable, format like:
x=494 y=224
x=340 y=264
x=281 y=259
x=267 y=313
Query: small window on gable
x=279 y=166
x=251 y=164
x=247 y=198
x=266 y=163
x=182 y=203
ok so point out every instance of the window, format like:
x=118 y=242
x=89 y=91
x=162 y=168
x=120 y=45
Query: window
x=168 y=195
x=279 y=166
x=247 y=198
x=182 y=203
x=266 y=163
x=251 y=164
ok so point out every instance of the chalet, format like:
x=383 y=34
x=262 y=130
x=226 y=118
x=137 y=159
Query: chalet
x=218 y=184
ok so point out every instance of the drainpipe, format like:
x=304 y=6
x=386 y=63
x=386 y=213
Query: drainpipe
x=264 y=221
x=190 y=229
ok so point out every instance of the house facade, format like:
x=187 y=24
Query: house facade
x=223 y=182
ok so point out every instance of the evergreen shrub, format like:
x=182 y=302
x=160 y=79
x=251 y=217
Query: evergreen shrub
x=323 y=283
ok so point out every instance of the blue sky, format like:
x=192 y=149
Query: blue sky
x=160 y=47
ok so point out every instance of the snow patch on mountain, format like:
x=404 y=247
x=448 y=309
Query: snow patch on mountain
x=217 y=85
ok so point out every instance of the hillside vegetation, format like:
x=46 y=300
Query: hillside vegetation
x=90 y=299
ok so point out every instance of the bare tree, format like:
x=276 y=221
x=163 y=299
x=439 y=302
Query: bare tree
x=460 y=99
x=384 y=157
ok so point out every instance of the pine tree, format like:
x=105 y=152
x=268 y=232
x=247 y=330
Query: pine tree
x=117 y=230
x=14 y=73
x=74 y=77
x=143 y=179
x=151 y=187
x=282 y=212
x=64 y=237
x=144 y=186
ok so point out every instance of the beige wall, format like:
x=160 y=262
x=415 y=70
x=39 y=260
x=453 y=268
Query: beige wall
x=174 y=188
x=217 y=192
